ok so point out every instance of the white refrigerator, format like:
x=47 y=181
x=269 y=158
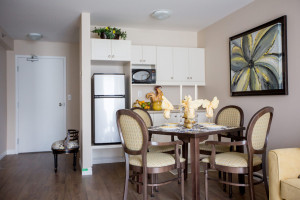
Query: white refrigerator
x=108 y=96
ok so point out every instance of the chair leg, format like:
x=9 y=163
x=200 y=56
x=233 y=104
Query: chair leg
x=139 y=186
x=74 y=161
x=145 y=183
x=241 y=180
x=230 y=186
x=55 y=162
x=206 y=183
x=224 y=179
x=251 y=185
x=126 y=178
x=152 y=187
x=156 y=181
x=265 y=175
x=182 y=183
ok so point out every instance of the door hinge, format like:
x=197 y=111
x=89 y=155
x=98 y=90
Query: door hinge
x=18 y=141
x=17 y=68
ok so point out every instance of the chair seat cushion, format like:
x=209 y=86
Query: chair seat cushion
x=234 y=159
x=219 y=148
x=161 y=149
x=59 y=145
x=154 y=160
x=290 y=189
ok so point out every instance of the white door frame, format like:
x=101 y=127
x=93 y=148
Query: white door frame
x=17 y=92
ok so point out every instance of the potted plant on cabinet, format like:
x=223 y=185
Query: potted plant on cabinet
x=110 y=33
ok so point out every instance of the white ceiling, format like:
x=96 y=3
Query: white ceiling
x=58 y=20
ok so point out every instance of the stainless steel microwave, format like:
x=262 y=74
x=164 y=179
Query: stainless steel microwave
x=147 y=76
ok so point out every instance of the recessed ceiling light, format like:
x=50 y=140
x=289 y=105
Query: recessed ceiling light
x=161 y=14
x=35 y=36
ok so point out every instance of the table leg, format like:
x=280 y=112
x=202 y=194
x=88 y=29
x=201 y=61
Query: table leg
x=185 y=154
x=195 y=167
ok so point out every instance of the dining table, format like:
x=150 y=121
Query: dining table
x=193 y=136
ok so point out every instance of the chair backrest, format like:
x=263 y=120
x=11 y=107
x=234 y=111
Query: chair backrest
x=144 y=115
x=258 y=130
x=133 y=132
x=230 y=116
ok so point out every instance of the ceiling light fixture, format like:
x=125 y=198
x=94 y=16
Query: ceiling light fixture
x=161 y=14
x=34 y=36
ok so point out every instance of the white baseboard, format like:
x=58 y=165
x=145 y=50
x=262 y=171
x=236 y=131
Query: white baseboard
x=108 y=160
x=11 y=152
x=86 y=171
x=2 y=155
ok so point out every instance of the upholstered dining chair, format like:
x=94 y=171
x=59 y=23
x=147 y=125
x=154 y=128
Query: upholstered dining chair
x=68 y=145
x=148 y=121
x=244 y=163
x=228 y=116
x=134 y=137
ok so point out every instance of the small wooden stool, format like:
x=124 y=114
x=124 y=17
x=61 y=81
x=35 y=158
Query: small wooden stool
x=67 y=146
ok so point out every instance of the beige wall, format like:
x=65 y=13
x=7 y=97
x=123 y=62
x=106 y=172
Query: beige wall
x=22 y=47
x=285 y=130
x=3 y=118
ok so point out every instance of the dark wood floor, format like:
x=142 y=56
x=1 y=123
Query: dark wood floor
x=31 y=176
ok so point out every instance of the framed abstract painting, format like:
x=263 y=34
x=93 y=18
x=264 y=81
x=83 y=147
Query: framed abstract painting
x=258 y=60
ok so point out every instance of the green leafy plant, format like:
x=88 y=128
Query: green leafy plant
x=110 y=33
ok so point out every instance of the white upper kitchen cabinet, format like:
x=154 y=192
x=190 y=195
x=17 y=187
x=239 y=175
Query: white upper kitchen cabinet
x=178 y=65
x=197 y=65
x=117 y=50
x=181 y=64
x=164 y=67
x=143 y=55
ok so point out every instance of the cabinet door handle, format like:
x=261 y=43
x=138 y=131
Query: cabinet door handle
x=191 y=77
x=188 y=77
x=144 y=60
x=171 y=77
x=108 y=56
x=113 y=56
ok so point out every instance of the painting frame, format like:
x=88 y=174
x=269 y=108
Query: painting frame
x=283 y=62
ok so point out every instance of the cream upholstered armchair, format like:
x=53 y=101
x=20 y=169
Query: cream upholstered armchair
x=284 y=169
x=134 y=137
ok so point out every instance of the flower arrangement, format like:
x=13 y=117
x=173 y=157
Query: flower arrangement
x=110 y=33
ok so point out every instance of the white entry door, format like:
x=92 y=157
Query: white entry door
x=41 y=109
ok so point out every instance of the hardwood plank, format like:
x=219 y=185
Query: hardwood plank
x=31 y=176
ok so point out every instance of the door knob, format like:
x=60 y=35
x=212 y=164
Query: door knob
x=60 y=104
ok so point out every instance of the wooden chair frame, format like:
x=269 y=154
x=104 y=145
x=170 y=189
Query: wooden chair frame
x=143 y=152
x=251 y=151
x=71 y=136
